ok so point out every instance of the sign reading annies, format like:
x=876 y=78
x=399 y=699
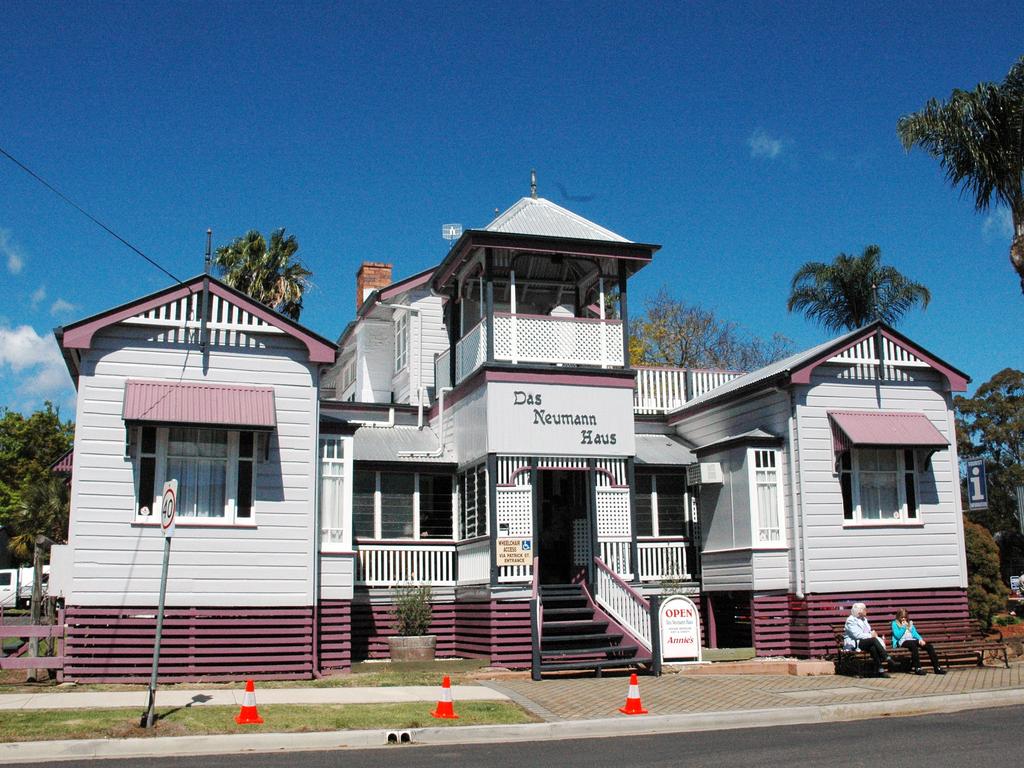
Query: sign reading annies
x=546 y=419
x=679 y=623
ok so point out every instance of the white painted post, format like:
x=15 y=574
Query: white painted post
x=515 y=324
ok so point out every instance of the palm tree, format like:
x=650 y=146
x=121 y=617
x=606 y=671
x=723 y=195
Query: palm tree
x=43 y=509
x=854 y=290
x=268 y=275
x=978 y=138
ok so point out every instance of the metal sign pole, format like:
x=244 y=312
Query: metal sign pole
x=168 y=509
x=159 y=629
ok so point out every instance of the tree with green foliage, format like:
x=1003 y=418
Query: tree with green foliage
x=978 y=138
x=986 y=592
x=44 y=509
x=28 y=447
x=852 y=291
x=990 y=425
x=673 y=333
x=269 y=274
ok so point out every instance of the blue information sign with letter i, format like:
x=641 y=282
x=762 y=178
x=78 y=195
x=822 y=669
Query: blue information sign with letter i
x=977 y=486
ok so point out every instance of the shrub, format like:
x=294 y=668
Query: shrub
x=986 y=593
x=412 y=610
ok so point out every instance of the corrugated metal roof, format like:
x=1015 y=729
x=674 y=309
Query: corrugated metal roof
x=662 y=450
x=752 y=437
x=884 y=428
x=193 y=403
x=537 y=216
x=382 y=444
x=769 y=371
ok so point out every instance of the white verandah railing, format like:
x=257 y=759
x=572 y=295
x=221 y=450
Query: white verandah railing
x=659 y=390
x=622 y=602
x=474 y=560
x=664 y=559
x=386 y=564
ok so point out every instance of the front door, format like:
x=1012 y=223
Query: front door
x=564 y=533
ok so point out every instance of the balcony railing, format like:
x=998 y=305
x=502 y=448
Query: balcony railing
x=567 y=341
x=664 y=559
x=659 y=390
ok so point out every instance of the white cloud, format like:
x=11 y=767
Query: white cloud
x=31 y=363
x=998 y=224
x=60 y=307
x=11 y=252
x=763 y=145
x=38 y=295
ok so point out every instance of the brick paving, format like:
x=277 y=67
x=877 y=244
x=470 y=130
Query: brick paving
x=590 y=698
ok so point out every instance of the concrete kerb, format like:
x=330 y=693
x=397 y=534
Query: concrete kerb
x=47 y=751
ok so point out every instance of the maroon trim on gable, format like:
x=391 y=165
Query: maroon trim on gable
x=79 y=335
x=415 y=281
x=956 y=381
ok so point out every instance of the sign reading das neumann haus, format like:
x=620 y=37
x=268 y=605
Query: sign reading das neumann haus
x=556 y=419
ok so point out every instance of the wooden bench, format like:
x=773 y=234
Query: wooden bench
x=963 y=642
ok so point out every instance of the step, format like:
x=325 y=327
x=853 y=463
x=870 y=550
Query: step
x=557 y=614
x=579 y=638
x=568 y=627
x=554 y=600
x=617 y=650
x=597 y=665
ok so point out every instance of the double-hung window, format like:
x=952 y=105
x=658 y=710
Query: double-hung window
x=878 y=485
x=335 y=453
x=401 y=340
x=766 y=496
x=215 y=470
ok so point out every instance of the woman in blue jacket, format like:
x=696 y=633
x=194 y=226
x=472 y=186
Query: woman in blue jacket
x=905 y=635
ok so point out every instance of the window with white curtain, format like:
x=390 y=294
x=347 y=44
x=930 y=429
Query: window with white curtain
x=215 y=470
x=878 y=485
x=766 y=496
x=332 y=488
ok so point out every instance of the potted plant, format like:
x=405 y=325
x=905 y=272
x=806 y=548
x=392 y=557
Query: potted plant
x=412 y=614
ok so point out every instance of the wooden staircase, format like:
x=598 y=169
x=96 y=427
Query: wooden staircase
x=576 y=636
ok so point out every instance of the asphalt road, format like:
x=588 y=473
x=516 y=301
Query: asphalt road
x=970 y=738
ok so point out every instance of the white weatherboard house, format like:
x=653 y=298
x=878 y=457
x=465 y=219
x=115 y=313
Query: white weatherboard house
x=478 y=428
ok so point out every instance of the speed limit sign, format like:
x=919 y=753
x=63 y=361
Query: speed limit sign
x=168 y=507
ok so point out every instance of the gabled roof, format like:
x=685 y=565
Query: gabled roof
x=797 y=369
x=79 y=335
x=537 y=216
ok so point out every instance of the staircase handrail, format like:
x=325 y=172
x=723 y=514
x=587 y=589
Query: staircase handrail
x=624 y=603
x=536 y=619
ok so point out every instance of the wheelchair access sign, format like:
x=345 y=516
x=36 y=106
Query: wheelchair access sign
x=977 y=484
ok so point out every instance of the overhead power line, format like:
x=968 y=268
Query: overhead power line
x=84 y=212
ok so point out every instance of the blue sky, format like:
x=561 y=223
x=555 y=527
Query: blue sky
x=746 y=139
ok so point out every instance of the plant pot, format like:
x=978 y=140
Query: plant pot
x=415 y=648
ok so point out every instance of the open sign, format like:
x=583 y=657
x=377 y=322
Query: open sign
x=679 y=626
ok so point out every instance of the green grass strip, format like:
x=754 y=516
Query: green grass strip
x=44 y=725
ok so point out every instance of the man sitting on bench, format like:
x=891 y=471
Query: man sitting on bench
x=859 y=636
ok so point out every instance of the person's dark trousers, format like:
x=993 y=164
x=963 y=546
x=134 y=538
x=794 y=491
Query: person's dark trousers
x=873 y=646
x=914 y=647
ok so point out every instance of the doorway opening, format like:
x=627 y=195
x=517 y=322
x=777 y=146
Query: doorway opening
x=564 y=540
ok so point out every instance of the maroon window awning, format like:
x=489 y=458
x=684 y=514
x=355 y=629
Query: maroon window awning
x=884 y=428
x=221 y=405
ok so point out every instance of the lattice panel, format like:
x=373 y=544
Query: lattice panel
x=515 y=509
x=613 y=513
x=581 y=542
x=471 y=351
x=550 y=340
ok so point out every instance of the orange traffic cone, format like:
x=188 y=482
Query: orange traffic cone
x=248 y=714
x=633 y=705
x=445 y=710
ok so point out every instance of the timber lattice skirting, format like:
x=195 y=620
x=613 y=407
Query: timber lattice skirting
x=115 y=645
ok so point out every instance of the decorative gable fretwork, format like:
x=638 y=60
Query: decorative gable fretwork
x=228 y=323
x=861 y=361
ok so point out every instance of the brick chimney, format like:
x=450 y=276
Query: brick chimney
x=371 y=276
